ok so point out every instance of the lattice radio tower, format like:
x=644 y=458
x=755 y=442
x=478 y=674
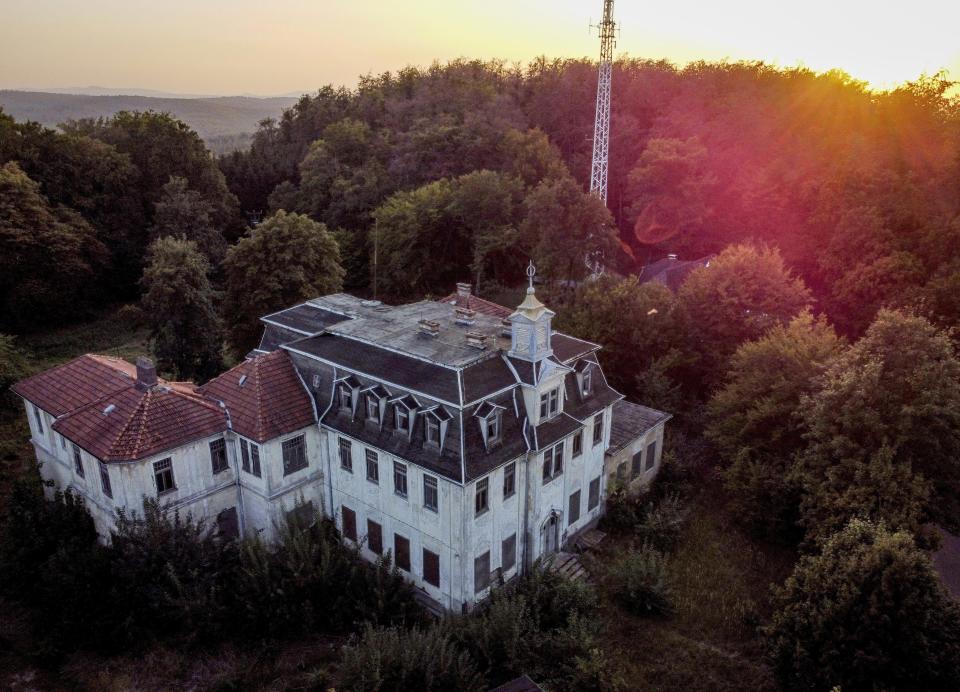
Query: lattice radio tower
x=601 y=127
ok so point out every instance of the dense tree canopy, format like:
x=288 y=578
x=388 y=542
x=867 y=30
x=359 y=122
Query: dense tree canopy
x=868 y=612
x=283 y=260
x=185 y=214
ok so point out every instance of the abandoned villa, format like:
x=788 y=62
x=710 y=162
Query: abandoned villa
x=466 y=439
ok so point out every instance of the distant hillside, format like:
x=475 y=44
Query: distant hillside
x=224 y=122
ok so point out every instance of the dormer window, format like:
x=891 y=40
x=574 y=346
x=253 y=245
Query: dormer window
x=403 y=419
x=346 y=398
x=587 y=382
x=404 y=413
x=584 y=373
x=550 y=403
x=432 y=430
x=373 y=408
x=435 y=421
x=490 y=416
x=375 y=402
x=348 y=390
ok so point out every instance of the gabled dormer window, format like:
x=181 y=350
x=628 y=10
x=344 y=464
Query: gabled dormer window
x=404 y=413
x=490 y=416
x=587 y=382
x=375 y=402
x=584 y=374
x=435 y=421
x=373 y=408
x=403 y=419
x=431 y=430
x=348 y=391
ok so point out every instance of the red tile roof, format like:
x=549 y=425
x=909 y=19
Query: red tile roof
x=142 y=422
x=77 y=383
x=472 y=302
x=272 y=400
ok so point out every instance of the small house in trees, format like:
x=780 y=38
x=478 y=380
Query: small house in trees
x=465 y=439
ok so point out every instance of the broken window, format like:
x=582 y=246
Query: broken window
x=163 y=475
x=105 y=480
x=218 y=455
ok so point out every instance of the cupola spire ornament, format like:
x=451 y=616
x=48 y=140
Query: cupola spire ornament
x=530 y=325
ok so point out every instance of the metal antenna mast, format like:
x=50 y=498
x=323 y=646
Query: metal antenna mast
x=601 y=127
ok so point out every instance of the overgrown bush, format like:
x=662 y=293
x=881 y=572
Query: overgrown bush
x=623 y=510
x=662 y=523
x=395 y=659
x=641 y=582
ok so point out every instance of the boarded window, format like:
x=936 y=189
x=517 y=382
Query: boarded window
x=400 y=479
x=294 y=454
x=349 y=523
x=163 y=475
x=401 y=551
x=228 y=524
x=77 y=461
x=574 y=514
x=375 y=537
x=509 y=480
x=105 y=480
x=593 y=499
x=373 y=466
x=651 y=454
x=431 y=497
x=481 y=572
x=218 y=455
x=346 y=457
x=636 y=466
x=244 y=455
x=431 y=568
x=255 y=459
x=508 y=556
x=481 y=500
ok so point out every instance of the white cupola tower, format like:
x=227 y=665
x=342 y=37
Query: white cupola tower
x=530 y=329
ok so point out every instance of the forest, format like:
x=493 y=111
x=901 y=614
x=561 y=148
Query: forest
x=812 y=367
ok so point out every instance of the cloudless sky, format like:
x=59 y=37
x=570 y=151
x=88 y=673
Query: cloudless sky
x=279 y=46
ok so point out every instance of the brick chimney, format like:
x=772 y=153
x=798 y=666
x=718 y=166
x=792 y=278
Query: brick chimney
x=146 y=373
x=464 y=290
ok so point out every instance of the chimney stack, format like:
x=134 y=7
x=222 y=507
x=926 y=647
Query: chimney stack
x=464 y=290
x=146 y=373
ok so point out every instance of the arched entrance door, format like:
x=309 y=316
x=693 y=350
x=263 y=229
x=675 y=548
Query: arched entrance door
x=551 y=535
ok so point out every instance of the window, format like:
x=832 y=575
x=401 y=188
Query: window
x=493 y=427
x=481 y=500
x=63 y=442
x=552 y=462
x=255 y=459
x=431 y=430
x=481 y=572
x=218 y=455
x=403 y=419
x=550 y=403
x=574 y=515
x=346 y=397
x=105 y=480
x=597 y=428
x=39 y=418
x=375 y=537
x=578 y=444
x=228 y=523
x=349 y=523
x=373 y=408
x=400 y=479
x=431 y=568
x=508 y=552
x=294 y=454
x=346 y=458
x=163 y=475
x=636 y=465
x=302 y=515
x=401 y=551
x=593 y=498
x=244 y=455
x=431 y=498
x=373 y=467
x=651 y=454
x=77 y=461
x=509 y=480
x=587 y=381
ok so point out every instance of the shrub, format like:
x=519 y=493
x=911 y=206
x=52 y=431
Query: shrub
x=622 y=510
x=641 y=582
x=662 y=524
x=395 y=659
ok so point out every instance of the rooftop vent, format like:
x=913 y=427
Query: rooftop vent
x=465 y=315
x=477 y=339
x=464 y=290
x=109 y=409
x=243 y=380
x=429 y=327
x=146 y=373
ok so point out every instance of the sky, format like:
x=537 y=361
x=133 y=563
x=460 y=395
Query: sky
x=270 y=47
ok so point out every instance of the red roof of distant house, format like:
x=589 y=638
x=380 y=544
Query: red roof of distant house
x=472 y=302
x=69 y=386
x=271 y=399
x=134 y=423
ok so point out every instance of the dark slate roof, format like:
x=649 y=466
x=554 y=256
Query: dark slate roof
x=526 y=371
x=274 y=337
x=271 y=400
x=81 y=381
x=413 y=374
x=479 y=460
x=566 y=348
x=305 y=318
x=556 y=429
x=601 y=393
x=486 y=377
x=630 y=421
x=670 y=271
